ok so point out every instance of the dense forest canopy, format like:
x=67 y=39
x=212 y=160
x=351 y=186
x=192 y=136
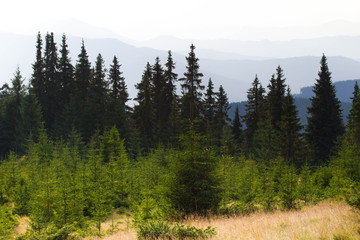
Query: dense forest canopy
x=73 y=150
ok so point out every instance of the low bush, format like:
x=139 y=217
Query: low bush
x=152 y=230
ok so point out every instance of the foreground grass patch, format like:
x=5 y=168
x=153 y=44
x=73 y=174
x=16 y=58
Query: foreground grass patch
x=327 y=220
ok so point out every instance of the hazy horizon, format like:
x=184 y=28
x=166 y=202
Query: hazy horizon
x=143 y=20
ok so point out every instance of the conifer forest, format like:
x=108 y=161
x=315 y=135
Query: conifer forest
x=75 y=148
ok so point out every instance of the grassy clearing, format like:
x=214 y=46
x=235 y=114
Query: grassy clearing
x=326 y=220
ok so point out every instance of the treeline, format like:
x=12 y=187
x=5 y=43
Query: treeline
x=74 y=151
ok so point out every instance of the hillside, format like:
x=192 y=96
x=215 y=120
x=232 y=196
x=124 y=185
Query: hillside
x=344 y=90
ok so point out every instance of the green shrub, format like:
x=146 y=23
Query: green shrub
x=353 y=196
x=50 y=233
x=162 y=230
x=237 y=208
x=7 y=222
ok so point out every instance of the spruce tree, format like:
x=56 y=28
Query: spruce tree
x=174 y=122
x=171 y=100
x=66 y=73
x=290 y=137
x=98 y=92
x=324 y=122
x=254 y=109
x=354 y=118
x=118 y=110
x=236 y=129
x=159 y=89
x=266 y=142
x=170 y=78
x=209 y=108
x=276 y=97
x=191 y=88
x=194 y=187
x=11 y=136
x=31 y=120
x=82 y=74
x=221 y=114
x=51 y=105
x=76 y=113
x=144 y=111
x=37 y=78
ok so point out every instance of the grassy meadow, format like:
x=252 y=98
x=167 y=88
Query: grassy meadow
x=326 y=220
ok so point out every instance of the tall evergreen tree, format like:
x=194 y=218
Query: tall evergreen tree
x=254 y=109
x=324 y=122
x=290 y=132
x=37 y=78
x=119 y=96
x=195 y=184
x=12 y=116
x=236 y=129
x=171 y=100
x=144 y=111
x=174 y=122
x=209 y=108
x=98 y=92
x=159 y=89
x=66 y=73
x=221 y=114
x=51 y=105
x=191 y=88
x=76 y=113
x=170 y=78
x=266 y=142
x=276 y=97
x=31 y=120
x=82 y=74
x=354 y=118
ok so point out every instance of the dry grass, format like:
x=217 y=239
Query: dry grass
x=123 y=232
x=323 y=221
x=23 y=225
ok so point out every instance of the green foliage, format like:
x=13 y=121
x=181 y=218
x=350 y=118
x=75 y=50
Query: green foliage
x=290 y=138
x=194 y=184
x=305 y=187
x=353 y=195
x=324 y=122
x=149 y=180
x=254 y=111
x=7 y=222
x=50 y=233
x=236 y=130
x=287 y=188
x=191 y=101
x=237 y=208
x=162 y=230
x=144 y=111
x=103 y=159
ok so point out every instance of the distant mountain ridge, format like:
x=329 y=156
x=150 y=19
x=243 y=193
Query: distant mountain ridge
x=301 y=104
x=344 y=90
x=332 y=46
x=235 y=75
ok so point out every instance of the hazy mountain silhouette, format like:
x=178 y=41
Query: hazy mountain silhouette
x=233 y=71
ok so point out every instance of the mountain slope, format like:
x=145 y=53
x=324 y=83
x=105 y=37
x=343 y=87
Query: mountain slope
x=344 y=90
x=301 y=105
x=332 y=46
x=235 y=75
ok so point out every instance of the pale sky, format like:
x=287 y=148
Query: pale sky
x=199 y=19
